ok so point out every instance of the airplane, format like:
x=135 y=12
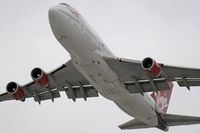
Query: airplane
x=142 y=89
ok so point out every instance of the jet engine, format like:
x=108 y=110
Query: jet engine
x=151 y=67
x=15 y=91
x=40 y=77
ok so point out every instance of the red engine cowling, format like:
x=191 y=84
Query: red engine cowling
x=40 y=77
x=151 y=67
x=15 y=91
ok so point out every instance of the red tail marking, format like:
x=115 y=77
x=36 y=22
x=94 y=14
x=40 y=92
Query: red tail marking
x=162 y=98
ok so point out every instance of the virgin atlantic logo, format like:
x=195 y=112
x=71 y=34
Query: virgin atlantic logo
x=74 y=12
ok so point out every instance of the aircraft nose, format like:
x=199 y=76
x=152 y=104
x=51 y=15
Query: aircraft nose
x=55 y=19
x=59 y=22
x=53 y=13
x=57 y=16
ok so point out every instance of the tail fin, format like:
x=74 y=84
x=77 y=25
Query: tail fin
x=169 y=119
x=162 y=98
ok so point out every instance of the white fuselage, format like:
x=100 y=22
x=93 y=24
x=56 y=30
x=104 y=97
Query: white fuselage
x=87 y=51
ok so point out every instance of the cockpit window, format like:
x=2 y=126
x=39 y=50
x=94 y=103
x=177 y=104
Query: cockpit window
x=64 y=4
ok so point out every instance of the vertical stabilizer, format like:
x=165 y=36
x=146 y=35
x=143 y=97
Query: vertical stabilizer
x=162 y=98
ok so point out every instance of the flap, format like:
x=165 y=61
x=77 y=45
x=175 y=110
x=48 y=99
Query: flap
x=147 y=86
x=188 y=82
x=47 y=95
x=77 y=92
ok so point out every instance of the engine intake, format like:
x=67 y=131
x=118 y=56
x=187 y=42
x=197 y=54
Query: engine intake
x=15 y=91
x=40 y=77
x=151 y=67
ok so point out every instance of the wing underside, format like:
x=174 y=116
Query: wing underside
x=65 y=78
x=131 y=72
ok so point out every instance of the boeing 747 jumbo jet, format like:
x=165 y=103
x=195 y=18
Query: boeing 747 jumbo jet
x=142 y=89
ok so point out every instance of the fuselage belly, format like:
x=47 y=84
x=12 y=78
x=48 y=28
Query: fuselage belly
x=87 y=51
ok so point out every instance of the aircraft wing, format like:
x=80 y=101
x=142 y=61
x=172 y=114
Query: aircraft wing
x=136 y=79
x=5 y=96
x=64 y=78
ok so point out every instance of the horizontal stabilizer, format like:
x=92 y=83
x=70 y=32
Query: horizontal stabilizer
x=178 y=120
x=170 y=119
x=133 y=124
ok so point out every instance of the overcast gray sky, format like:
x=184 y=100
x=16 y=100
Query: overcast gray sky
x=167 y=31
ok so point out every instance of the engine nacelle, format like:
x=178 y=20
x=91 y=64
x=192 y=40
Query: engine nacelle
x=40 y=77
x=151 y=67
x=15 y=91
